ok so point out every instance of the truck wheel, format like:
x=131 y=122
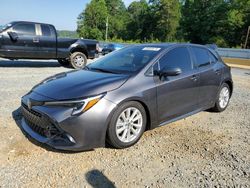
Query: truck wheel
x=78 y=60
x=63 y=62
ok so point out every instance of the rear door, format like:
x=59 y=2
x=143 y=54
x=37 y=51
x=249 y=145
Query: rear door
x=177 y=95
x=47 y=41
x=209 y=73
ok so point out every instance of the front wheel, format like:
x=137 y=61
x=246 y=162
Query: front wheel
x=78 y=60
x=127 y=125
x=223 y=98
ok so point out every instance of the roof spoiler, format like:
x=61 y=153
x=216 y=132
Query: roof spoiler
x=212 y=46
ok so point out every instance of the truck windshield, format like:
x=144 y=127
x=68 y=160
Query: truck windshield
x=4 y=27
x=127 y=60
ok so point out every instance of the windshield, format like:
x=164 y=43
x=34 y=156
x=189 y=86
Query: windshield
x=127 y=60
x=3 y=27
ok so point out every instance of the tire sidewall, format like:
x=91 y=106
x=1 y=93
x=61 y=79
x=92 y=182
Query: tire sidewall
x=72 y=57
x=112 y=137
x=218 y=107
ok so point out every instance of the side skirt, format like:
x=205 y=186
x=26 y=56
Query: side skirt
x=183 y=116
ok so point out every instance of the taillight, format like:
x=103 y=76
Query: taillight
x=97 y=46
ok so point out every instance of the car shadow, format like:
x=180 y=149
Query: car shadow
x=29 y=63
x=98 y=180
x=17 y=116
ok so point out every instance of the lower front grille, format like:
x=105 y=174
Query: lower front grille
x=38 y=122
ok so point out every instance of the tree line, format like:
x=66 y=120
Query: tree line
x=223 y=22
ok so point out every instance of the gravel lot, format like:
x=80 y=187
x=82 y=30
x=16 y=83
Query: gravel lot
x=204 y=150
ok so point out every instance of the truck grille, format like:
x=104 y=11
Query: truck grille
x=38 y=122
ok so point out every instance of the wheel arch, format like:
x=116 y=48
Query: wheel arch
x=79 y=49
x=230 y=84
x=145 y=106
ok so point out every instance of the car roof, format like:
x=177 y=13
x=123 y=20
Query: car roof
x=15 y=22
x=167 y=45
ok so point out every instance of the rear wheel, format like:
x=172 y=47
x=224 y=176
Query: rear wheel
x=223 y=98
x=78 y=60
x=127 y=125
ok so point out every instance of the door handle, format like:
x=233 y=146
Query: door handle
x=217 y=72
x=35 y=40
x=194 y=78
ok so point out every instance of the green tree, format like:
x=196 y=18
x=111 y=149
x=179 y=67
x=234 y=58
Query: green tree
x=138 y=28
x=215 y=21
x=92 y=21
x=166 y=16
x=117 y=18
x=239 y=20
x=203 y=20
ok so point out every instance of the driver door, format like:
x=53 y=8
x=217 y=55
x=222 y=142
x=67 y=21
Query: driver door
x=177 y=95
x=26 y=44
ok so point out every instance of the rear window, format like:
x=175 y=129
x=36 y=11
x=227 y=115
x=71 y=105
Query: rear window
x=46 y=31
x=25 y=29
x=202 y=56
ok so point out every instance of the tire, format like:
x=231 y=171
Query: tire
x=63 y=62
x=78 y=60
x=219 y=105
x=115 y=136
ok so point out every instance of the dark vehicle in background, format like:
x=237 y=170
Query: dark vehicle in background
x=111 y=47
x=119 y=96
x=100 y=47
x=29 y=40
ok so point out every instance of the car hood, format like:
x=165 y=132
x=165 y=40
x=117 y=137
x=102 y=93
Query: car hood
x=78 y=84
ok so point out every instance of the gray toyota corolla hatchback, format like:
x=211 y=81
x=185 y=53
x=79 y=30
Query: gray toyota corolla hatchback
x=118 y=97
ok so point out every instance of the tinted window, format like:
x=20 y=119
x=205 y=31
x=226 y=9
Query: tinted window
x=177 y=58
x=213 y=59
x=25 y=29
x=126 y=60
x=46 y=30
x=202 y=56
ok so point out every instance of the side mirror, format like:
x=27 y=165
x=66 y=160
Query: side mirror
x=169 y=71
x=13 y=35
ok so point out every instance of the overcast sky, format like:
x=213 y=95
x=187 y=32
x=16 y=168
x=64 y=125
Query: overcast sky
x=61 y=13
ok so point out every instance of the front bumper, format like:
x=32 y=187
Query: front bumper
x=60 y=130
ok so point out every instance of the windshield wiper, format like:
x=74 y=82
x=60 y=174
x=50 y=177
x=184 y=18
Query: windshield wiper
x=102 y=70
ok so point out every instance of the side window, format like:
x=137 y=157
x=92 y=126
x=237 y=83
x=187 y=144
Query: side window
x=202 y=56
x=212 y=58
x=25 y=29
x=46 y=30
x=178 y=57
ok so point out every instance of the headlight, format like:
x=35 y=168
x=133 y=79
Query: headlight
x=79 y=106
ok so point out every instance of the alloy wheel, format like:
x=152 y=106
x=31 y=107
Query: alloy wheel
x=224 y=97
x=129 y=125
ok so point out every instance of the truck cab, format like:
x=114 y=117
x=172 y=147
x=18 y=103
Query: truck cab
x=30 y=40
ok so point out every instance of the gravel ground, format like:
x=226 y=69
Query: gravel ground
x=204 y=150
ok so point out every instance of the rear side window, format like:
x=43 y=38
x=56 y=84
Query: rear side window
x=212 y=58
x=202 y=56
x=177 y=58
x=25 y=29
x=46 y=30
